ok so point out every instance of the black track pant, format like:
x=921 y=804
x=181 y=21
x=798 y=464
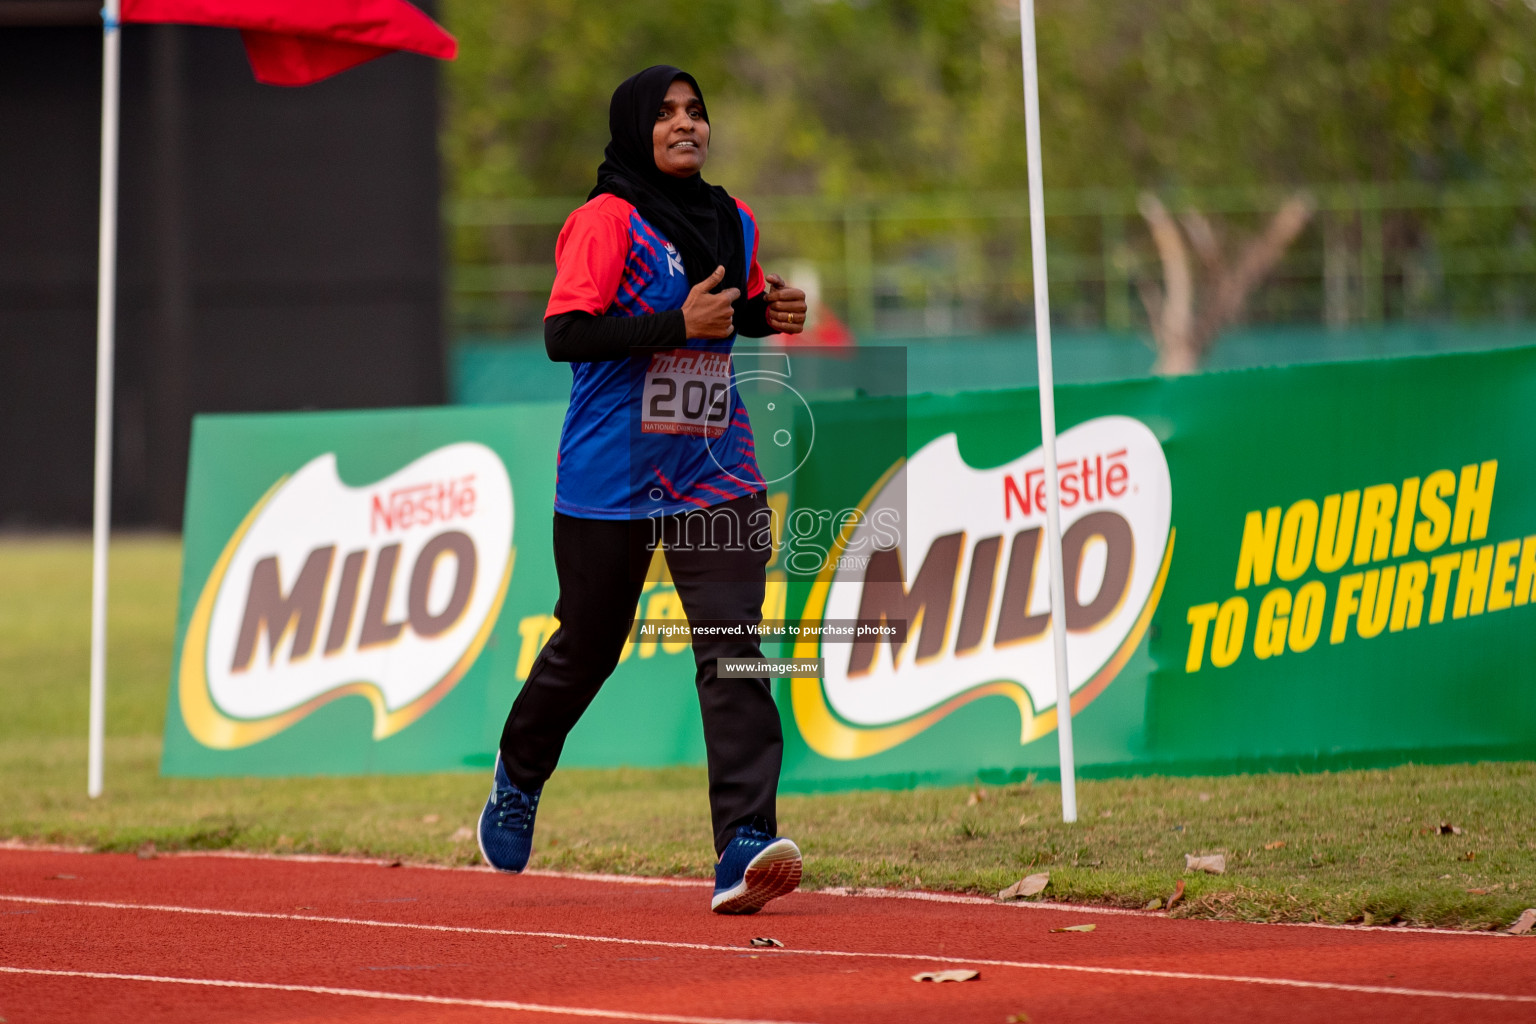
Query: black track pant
x=601 y=565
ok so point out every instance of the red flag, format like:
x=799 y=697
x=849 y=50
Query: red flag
x=296 y=42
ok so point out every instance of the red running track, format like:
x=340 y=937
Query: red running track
x=199 y=938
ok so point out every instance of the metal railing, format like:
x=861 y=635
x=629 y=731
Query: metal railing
x=948 y=264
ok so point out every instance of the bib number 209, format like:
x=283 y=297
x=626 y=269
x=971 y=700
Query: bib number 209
x=687 y=392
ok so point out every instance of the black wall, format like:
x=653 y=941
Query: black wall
x=279 y=249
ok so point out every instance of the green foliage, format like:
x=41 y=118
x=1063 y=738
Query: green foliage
x=842 y=97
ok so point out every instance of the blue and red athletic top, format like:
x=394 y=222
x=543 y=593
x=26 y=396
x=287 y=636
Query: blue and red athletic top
x=657 y=433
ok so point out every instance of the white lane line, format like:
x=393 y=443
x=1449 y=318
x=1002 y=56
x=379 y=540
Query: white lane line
x=402 y=997
x=674 y=882
x=1127 y=972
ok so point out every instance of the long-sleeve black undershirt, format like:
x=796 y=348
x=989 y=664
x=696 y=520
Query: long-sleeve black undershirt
x=578 y=337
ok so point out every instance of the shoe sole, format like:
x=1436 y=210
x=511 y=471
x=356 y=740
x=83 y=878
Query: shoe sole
x=772 y=873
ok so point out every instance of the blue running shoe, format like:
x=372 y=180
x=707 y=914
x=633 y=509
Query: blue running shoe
x=506 y=824
x=755 y=868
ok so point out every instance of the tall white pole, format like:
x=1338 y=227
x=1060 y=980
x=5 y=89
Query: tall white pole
x=106 y=301
x=1047 y=411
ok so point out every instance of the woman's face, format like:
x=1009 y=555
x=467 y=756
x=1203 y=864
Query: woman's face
x=680 y=140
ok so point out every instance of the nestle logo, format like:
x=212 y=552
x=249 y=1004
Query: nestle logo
x=1087 y=480
x=422 y=504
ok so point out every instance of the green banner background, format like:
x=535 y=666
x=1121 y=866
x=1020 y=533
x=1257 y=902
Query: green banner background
x=1236 y=442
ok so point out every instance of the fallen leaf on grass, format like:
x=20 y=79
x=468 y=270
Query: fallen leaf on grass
x=1278 y=844
x=1076 y=928
x=430 y=819
x=763 y=940
x=1215 y=864
x=1155 y=903
x=1447 y=829
x=1205 y=798
x=1025 y=819
x=1029 y=885
x=955 y=975
x=1178 y=894
x=976 y=798
x=1524 y=923
x=464 y=833
x=1106 y=814
x=1469 y=855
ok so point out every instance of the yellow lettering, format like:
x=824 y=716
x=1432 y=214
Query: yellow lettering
x=535 y=631
x=1336 y=532
x=1307 y=615
x=1436 y=527
x=1257 y=555
x=1474 y=500
x=1408 y=602
x=1525 y=583
x=665 y=605
x=1375 y=601
x=1376 y=507
x=1404 y=532
x=1499 y=596
x=1298 y=536
x=1231 y=626
x=1199 y=618
x=1346 y=605
x=1269 y=633
x=1441 y=567
x=1472 y=581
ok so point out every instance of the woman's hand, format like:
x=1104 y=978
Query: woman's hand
x=786 y=306
x=706 y=315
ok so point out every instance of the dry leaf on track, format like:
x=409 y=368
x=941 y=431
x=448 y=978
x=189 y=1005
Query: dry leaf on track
x=763 y=940
x=1215 y=864
x=1524 y=923
x=1178 y=894
x=955 y=975
x=1029 y=885
x=1076 y=928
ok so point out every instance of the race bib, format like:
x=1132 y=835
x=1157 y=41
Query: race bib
x=687 y=391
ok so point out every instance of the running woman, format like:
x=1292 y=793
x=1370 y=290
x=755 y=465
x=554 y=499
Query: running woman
x=654 y=278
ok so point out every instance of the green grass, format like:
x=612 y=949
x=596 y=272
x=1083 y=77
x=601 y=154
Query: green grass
x=1358 y=846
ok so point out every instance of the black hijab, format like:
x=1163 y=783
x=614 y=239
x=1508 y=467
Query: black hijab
x=700 y=219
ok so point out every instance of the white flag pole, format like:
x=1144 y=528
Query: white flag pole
x=106 y=301
x=1047 y=411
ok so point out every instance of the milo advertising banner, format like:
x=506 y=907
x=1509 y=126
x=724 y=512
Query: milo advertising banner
x=1305 y=567
x=366 y=592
